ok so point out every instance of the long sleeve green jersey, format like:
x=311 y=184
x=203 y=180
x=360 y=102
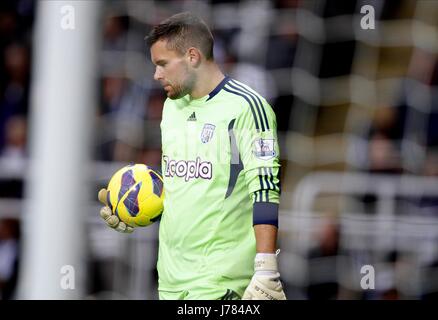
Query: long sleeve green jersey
x=220 y=167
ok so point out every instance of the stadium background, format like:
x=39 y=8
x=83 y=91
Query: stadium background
x=358 y=130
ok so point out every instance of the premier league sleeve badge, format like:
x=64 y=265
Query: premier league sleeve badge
x=264 y=149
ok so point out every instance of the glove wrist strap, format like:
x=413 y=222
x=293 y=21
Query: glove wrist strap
x=266 y=262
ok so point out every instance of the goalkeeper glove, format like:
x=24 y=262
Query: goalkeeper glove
x=111 y=219
x=265 y=283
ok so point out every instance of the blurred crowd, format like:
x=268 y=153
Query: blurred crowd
x=256 y=44
x=16 y=21
x=15 y=43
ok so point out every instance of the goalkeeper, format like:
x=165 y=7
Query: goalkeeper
x=220 y=164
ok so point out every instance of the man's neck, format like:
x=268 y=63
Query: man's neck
x=208 y=79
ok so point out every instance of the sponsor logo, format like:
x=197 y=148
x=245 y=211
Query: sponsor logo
x=188 y=169
x=192 y=117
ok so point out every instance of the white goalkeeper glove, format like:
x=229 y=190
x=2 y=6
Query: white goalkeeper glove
x=265 y=283
x=111 y=219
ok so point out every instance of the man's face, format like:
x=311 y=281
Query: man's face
x=172 y=70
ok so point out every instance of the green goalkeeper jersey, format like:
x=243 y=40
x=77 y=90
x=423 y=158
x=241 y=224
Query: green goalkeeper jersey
x=220 y=167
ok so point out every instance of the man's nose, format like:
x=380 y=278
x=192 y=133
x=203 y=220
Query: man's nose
x=157 y=75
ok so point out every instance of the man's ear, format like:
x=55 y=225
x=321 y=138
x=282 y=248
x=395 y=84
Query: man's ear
x=194 y=57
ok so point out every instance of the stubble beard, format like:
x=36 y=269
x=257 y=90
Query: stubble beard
x=184 y=88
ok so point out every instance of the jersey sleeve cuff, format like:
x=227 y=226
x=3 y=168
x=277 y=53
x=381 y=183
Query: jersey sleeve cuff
x=265 y=213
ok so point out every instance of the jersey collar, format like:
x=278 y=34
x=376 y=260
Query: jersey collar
x=218 y=88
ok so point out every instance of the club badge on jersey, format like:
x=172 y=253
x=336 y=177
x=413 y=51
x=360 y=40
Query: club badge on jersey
x=264 y=149
x=207 y=132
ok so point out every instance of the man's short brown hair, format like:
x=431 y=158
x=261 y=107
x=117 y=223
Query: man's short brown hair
x=182 y=31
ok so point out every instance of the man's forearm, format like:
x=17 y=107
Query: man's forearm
x=266 y=238
x=265 y=284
